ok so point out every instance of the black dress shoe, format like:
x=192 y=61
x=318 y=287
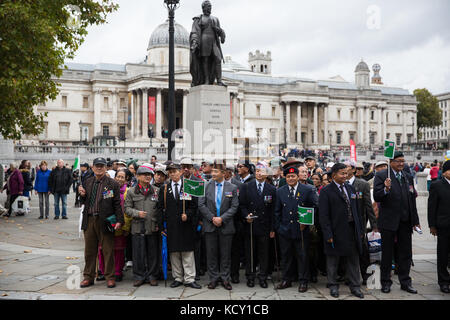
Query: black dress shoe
x=284 y=285
x=263 y=284
x=212 y=285
x=385 y=288
x=138 y=283
x=235 y=279
x=176 y=284
x=193 y=285
x=334 y=292
x=65 y=217
x=56 y=218
x=445 y=288
x=227 y=285
x=41 y=217
x=408 y=288
x=100 y=277
x=303 y=287
x=250 y=283
x=357 y=293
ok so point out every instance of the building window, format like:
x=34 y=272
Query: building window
x=398 y=117
x=338 y=137
x=388 y=135
x=64 y=101
x=273 y=135
x=387 y=117
x=372 y=115
x=258 y=132
x=352 y=136
x=106 y=103
x=339 y=113
x=122 y=132
x=399 y=139
x=372 y=137
x=105 y=131
x=274 y=109
x=122 y=103
x=258 y=110
x=352 y=114
x=85 y=102
x=64 y=130
x=409 y=138
x=44 y=134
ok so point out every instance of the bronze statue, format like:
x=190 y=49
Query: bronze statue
x=206 y=53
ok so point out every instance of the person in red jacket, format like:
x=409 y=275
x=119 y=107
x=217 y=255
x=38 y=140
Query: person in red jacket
x=434 y=172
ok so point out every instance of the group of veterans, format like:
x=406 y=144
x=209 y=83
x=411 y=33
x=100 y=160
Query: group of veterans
x=248 y=218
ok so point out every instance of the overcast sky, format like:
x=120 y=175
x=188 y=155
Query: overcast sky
x=312 y=39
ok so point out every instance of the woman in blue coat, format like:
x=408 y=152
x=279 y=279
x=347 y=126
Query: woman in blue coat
x=41 y=188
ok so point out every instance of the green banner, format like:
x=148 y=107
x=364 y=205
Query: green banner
x=389 y=149
x=306 y=215
x=194 y=188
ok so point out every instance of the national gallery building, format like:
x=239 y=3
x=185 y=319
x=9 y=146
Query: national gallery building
x=110 y=104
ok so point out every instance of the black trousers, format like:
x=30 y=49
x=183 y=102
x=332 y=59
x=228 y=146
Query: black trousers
x=260 y=252
x=443 y=251
x=274 y=257
x=364 y=258
x=145 y=257
x=317 y=258
x=200 y=253
x=292 y=251
x=404 y=243
x=237 y=251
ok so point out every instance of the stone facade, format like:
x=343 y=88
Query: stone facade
x=440 y=135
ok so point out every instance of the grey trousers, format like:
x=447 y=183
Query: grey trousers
x=352 y=269
x=43 y=197
x=183 y=266
x=145 y=257
x=218 y=246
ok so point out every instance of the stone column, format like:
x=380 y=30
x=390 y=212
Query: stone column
x=145 y=113
x=380 y=127
x=367 y=129
x=241 y=118
x=316 y=125
x=360 y=125
x=132 y=114
x=299 y=123
x=282 y=126
x=158 y=114
x=384 y=123
x=115 y=109
x=325 y=125
x=97 y=112
x=288 y=122
x=415 y=127
x=404 y=134
x=139 y=113
x=185 y=110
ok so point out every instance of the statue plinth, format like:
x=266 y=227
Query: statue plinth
x=208 y=132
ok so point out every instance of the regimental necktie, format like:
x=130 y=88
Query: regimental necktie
x=349 y=208
x=177 y=194
x=93 y=194
x=259 y=188
x=399 y=177
x=292 y=192
x=219 y=198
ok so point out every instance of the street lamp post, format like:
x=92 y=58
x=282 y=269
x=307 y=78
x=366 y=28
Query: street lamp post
x=171 y=6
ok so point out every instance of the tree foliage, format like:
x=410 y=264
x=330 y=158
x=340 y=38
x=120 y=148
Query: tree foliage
x=429 y=114
x=36 y=37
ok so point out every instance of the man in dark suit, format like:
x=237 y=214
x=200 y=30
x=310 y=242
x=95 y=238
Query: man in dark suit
x=439 y=223
x=257 y=198
x=397 y=218
x=293 y=237
x=341 y=227
x=365 y=210
x=245 y=170
x=218 y=208
x=101 y=199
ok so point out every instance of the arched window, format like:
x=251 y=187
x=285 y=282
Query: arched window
x=262 y=68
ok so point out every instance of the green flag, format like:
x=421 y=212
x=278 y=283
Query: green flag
x=389 y=149
x=76 y=165
x=194 y=188
x=306 y=215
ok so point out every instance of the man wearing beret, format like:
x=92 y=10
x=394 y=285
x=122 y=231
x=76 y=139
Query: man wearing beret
x=218 y=207
x=101 y=199
x=397 y=219
x=293 y=237
x=439 y=223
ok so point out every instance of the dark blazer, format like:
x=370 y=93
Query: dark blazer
x=365 y=208
x=262 y=206
x=286 y=209
x=439 y=204
x=334 y=220
x=391 y=203
x=60 y=180
x=108 y=206
x=228 y=207
x=180 y=235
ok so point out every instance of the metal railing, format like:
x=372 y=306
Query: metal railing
x=87 y=150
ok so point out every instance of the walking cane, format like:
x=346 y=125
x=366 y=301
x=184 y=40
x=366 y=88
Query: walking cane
x=252 y=217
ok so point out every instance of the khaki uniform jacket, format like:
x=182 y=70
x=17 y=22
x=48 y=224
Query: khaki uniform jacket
x=135 y=202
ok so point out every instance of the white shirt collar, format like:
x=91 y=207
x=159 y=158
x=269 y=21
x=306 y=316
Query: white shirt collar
x=245 y=179
x=447 y=180
x=338 y=185
x=262 y=184
x=295 y=187
x=352 y=180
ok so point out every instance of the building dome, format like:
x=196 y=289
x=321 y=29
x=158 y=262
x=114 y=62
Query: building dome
x=362 y=66
x=160 y=37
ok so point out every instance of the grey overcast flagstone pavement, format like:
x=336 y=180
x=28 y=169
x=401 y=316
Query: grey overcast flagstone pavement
x=35 y=255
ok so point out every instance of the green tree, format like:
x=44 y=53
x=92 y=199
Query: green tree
x=429 y=114
x=36 y=37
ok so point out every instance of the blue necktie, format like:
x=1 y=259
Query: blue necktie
x=219 y=198
x=259 y=188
